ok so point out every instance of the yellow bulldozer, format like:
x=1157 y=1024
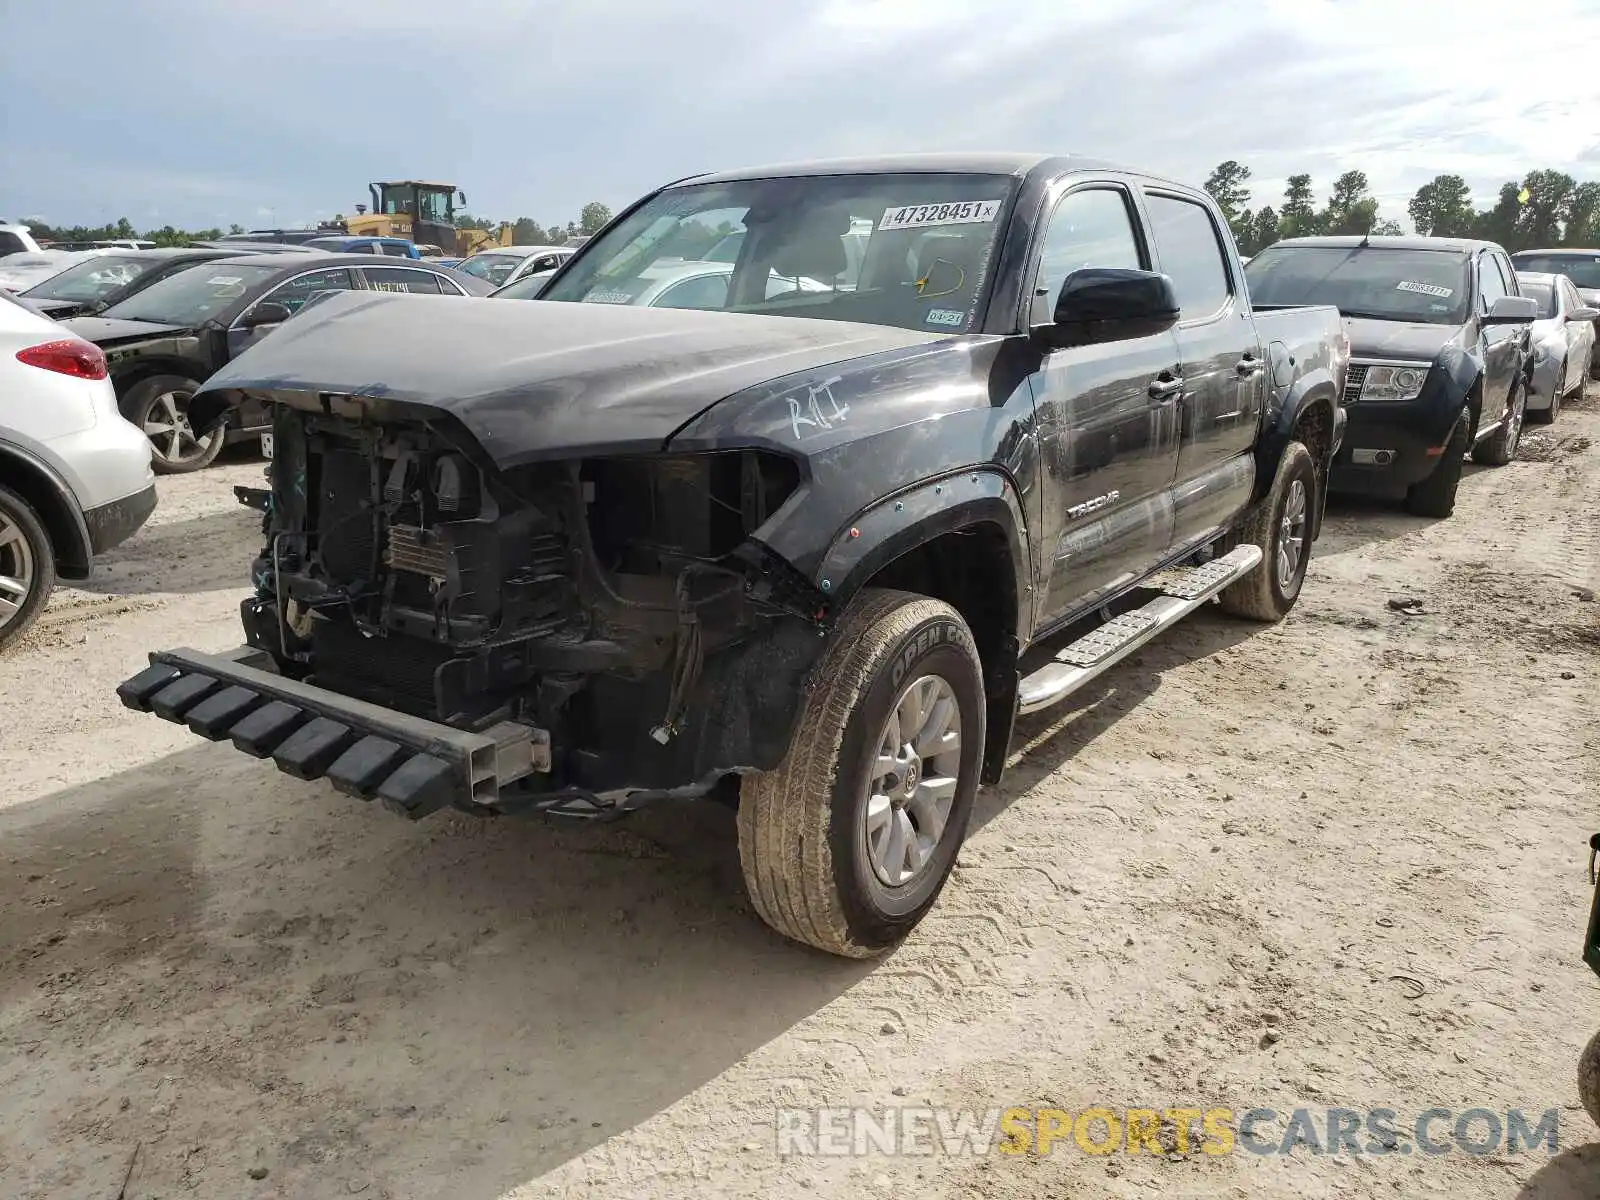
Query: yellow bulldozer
x=424 y=213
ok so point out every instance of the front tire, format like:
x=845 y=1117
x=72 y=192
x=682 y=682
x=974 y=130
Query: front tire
x=1547 y=416
x=1501 y=447
x=849 y=841
x=1281 y=526
x=160 y=407
x=27 y=567
x=1589 y=1078
x=1435 y=496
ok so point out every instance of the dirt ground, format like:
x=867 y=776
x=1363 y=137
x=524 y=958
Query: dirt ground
x=1338 y=862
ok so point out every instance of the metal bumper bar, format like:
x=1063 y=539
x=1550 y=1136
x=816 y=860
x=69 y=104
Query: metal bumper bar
x=413 y=765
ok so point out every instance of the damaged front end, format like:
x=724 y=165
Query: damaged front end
x=575 y=636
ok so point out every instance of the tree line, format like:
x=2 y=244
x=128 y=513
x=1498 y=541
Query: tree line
x=1546 y=208
x=526 y=231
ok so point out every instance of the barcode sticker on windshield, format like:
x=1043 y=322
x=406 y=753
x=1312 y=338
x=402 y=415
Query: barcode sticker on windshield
x=1422 y=289
x=604 y=297
x=964 y=212
x=225 y=280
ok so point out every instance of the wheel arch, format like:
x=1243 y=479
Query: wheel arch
x=1309 y=414
x=136 y=373
x=50 y=496
x=960 y=538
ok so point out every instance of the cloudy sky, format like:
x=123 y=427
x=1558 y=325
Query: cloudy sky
x=201 y=112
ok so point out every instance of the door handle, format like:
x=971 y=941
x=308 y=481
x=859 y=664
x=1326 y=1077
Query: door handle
x=1165 y=386
x=1247 y=366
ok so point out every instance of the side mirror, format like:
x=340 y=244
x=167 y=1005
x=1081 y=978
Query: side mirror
x=1584 y=314
x=1110 y=304
x=1512 y=310
x=267 y=313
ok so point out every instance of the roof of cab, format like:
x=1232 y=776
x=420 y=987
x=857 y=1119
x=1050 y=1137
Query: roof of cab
x=1353 y=241
x=978 y=163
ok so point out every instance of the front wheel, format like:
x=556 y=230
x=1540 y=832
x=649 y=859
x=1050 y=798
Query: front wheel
x=1281 y=526
x=160 y=406
x=1435 y=496
x=850 y=840
x=1589 y=1078
x=1501 y=447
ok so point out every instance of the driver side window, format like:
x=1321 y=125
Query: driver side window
x=1090 y=228
x=1491 y=284
x=294 y=294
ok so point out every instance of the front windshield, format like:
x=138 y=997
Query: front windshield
x=1543 y=293
x=1382 y=283
x=496 y=268
x=911 y=250
x=93 y=279
x=1582 y=269
x=192 y=296
x=526 y=288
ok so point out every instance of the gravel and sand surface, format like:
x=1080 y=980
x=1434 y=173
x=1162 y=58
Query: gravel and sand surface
x=1334 y=863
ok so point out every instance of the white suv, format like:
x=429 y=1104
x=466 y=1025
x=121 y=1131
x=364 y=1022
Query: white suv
x=75 y=476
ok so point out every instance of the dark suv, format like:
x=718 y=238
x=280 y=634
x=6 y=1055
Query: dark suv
x=1439 y=337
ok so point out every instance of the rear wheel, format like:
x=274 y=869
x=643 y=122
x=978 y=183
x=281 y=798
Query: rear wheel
x=1281 y=526
x=27 y=566
x=1435 y=496
x=850 y=840
x=160 y=406
x=1501 y=448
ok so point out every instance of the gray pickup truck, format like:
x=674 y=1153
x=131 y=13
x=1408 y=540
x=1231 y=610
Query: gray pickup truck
x=807 y=551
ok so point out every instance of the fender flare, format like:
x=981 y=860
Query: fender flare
x=900 y=522
x=58 y=509
x=1315 y=389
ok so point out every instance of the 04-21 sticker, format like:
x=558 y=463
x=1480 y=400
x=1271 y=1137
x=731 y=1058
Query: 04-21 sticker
x=957 y=212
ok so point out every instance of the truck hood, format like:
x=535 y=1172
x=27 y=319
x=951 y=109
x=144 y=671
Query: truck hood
x=533 y=380
x=108 y=331
x=1398 y=339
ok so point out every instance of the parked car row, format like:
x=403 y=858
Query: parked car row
x=167 y=319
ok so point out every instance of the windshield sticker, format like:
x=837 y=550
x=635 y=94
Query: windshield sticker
x=945 y=316
x=226 y=280
x=604 y=297
x=1423 y=289
x=919 y=216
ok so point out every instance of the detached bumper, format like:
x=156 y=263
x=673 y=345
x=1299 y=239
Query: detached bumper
x=414 y=766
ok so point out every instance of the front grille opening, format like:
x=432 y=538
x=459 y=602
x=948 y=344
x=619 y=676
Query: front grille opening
x=1354 y=382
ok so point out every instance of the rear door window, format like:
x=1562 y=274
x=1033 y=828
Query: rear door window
x=1190 y=250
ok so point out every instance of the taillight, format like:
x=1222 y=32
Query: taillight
x=69 y=356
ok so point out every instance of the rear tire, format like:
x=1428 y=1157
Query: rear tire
x=160 y=407
x=1281 y=526
x=27 y=567
x=1500 y=448
x=817 y=835
x=1435 y=496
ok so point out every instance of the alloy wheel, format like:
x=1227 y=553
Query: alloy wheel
x=912 y=782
